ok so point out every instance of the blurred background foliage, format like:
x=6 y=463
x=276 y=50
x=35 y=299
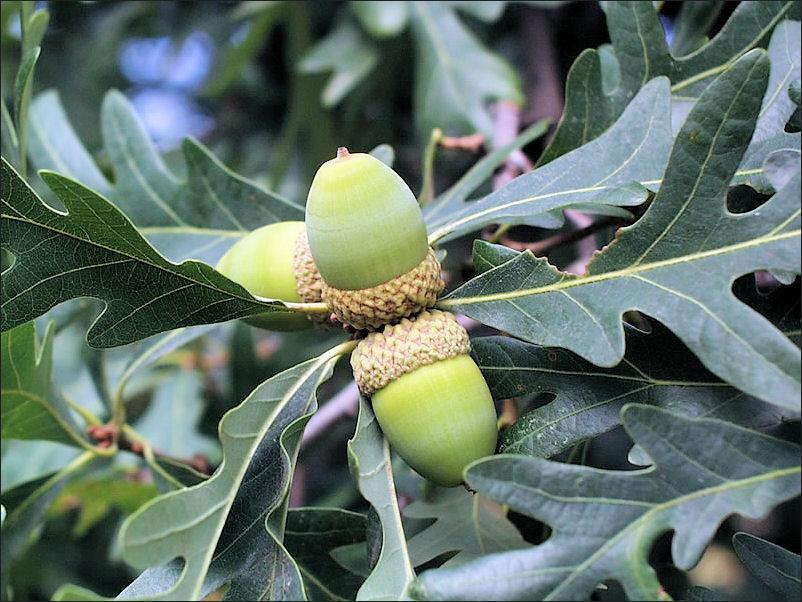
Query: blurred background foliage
x=273 y=88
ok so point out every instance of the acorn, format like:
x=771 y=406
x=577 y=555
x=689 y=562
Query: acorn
x=428 y=394
x=368 y=239
x=274 y=261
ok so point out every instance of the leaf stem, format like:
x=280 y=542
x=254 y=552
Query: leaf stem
x=427 y=187
x=304 y=308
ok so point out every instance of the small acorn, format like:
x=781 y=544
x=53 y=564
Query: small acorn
x=428 y=394
x=274 y=261
x=368 y=239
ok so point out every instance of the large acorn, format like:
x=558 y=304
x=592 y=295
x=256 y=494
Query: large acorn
x=368 y=239
x=274 y=261
x=428 y=394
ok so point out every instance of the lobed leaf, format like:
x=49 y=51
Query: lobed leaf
x=639 y=46
x=614 y=169
x=31 y=407
x=455 y=75
x=469 y=524
x=228 y=529
x=676 y=264
x=198 y=217
x=778 y=568
x=311 y=535
x=656 y=370
x=604 y=522
x=95 y=251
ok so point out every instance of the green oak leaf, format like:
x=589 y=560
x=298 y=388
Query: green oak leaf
x=369 y=460
x=27 y=505
x=31 y=407
x=311 y=535
x=771 y=140
x=614 y=169
x=604 y=522
x=692 y=24
x=197 y=217
x=95 y=251
x=676 y=264
x=455 y=74
x=348 y=54
x=469 y=524
x=229 y=528
x=640 y=49
x=778 y=568
x=453 y=198
x=171 y=421
x=96 y=497
x=657 y=370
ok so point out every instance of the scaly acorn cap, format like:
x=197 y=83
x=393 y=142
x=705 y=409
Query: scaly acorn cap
x=274 y=261
x=401 y=297
x=308 y=282
x=429 y=396
x=385 y=356
x=364 y=224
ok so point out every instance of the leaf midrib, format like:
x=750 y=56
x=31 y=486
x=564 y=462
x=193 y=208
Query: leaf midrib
x=726 y=486
x=622 y=273
x=139 y=259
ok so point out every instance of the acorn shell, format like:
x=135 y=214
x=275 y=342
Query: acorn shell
x=439 y=418
x=262 y=262
x=363 y=222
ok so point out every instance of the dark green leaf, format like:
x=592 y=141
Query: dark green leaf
x=310 y=537
x=94 y=251
x=31 y=408
x=778 y=568
x=604 y=522
x=676 y=264
x=242 y=505
x=640 y=48
x=657 y=369
x=466 y=523
x=369 y=459
x=634 y=150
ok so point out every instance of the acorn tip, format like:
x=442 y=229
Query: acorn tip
x=342 y=152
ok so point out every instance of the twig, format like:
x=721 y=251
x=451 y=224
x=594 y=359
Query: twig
x=342 y=404
x=545 y=246
x=472 y=143
x=506 y=123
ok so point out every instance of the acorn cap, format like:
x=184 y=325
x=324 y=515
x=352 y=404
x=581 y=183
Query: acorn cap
x=403 y=296
x=385 y=356
x=364 y=224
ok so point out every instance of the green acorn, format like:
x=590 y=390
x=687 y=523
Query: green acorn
x=274 y=261
x=368 y=239
x=428 y=394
